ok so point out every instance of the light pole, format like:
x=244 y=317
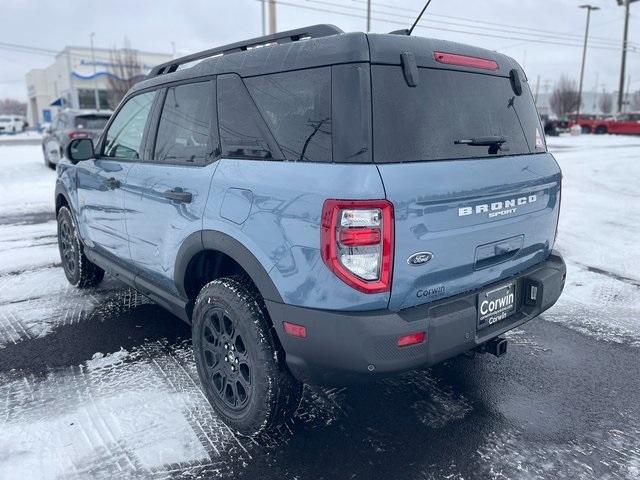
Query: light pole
x=584 y=56
x=625 y=44
x=272 y=17
x=95 y=80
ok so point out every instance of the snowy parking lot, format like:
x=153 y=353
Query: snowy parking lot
x=101 y=383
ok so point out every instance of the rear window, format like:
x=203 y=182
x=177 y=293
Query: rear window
x=91 y=122
x=297 y=109
x=424 y=122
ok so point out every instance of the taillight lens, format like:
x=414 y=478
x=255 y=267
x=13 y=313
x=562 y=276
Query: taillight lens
x=357 y=242
x=73 y=135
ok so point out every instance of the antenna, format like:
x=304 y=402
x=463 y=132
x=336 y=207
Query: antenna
x=418 y=19
x=410 y=30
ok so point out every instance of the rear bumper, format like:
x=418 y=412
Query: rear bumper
x=345 y=347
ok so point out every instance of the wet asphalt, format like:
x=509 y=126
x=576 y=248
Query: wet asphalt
x=564 y=403
x=559 y=405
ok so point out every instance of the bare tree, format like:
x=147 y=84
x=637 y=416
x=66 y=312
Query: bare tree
x=635 y=101
x=125 y=71
x=9 y=106
x=606 y=103
x=565 y=98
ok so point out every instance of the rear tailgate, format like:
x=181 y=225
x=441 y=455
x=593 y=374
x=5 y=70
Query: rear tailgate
x=483 y=213
x=432 y=201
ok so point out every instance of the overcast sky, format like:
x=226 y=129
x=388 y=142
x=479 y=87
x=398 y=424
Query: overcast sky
x=192 y=25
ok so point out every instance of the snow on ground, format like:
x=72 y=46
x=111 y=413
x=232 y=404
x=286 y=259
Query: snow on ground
x=599 y=235
x=29 y=135
x=140 y=411
x=26 y=185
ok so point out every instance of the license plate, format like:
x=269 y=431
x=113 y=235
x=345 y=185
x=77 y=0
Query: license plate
x=496 y=304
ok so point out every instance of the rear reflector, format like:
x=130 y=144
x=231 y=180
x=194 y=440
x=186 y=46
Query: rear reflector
x=411 y=339
x=465 y=61
x=295 y=330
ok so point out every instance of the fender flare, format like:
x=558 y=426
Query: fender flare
x=61 y=190
x=221 y=242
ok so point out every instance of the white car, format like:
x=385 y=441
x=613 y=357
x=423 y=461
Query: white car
x=12 y=123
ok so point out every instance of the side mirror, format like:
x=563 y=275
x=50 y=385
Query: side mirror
x=80 y=149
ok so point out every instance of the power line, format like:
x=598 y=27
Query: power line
x=518 y=31
x=16 y=48
x=484 y=22
x=394 y=22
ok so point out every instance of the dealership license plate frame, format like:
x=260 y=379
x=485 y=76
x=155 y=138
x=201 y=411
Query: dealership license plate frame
x=496 y=293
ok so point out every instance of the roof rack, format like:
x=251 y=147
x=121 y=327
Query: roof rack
x=313 y=31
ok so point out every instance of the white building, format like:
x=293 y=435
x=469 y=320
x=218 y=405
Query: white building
x=71 y=80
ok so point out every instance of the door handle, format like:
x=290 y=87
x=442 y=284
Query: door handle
x=113 y=183
x=178 y=195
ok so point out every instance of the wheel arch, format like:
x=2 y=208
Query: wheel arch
x=224 y=251
x=61 y=197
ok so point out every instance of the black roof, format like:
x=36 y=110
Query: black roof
x=315 y=46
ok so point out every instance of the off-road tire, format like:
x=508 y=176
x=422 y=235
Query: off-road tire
x=80 y=272
x=272 y=394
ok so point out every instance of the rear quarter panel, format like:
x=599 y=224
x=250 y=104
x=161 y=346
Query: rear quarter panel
x=281 y=226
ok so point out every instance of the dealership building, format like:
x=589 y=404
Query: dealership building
x=72 y=79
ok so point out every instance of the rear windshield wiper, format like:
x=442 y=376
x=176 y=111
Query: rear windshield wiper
x=493 y=142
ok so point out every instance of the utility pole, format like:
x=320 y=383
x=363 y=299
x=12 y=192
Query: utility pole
x=535 y=98
x=595 y=93
x=627 y=4
x=584 y=56
x=95 y=79
x=272 y=17
x=368 y=15
x=628 y=94
x=264 y=15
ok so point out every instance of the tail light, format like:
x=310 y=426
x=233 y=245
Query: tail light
x=77 y=134
x=357 y=242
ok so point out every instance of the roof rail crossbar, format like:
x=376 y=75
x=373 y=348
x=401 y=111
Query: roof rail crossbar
x=313 y=31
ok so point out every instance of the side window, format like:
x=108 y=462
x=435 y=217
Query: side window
x=243 y=133
x=124 y=137
x=297 y=109
x=185 y=125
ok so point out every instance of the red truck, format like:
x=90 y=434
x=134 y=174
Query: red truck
x=624 y=124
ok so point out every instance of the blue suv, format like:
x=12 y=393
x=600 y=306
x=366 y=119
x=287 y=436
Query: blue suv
x=321 y=207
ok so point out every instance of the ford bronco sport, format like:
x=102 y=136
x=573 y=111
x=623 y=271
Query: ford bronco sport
x=321 y=207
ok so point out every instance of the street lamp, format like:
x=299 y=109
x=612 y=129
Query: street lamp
x=95 y=80
x=584 y=56
x=625 y=44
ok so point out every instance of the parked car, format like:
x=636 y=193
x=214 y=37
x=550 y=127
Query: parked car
x=70 y=124
x=623 y=124
x=12 y=124
x=329 y=208
x=554 y=126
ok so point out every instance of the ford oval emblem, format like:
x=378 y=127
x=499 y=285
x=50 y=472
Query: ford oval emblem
x=419 y=258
